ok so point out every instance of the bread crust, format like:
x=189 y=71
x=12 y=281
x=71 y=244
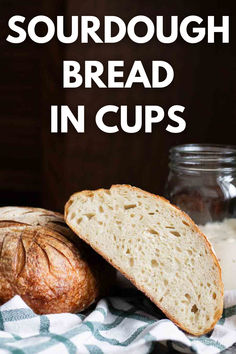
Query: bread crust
x=39 y=263
x=218 y=313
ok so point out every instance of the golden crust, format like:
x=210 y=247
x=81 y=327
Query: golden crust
x=44 y=267
x=218 y=313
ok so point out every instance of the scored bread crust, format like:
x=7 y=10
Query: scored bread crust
x=218 y=313
x=46 y=264
x=37 y=217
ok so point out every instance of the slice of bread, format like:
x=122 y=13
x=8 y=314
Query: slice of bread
x=157 y=247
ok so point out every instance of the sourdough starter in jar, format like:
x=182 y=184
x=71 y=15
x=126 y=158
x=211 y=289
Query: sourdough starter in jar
x=202 y=182
x=222 y=236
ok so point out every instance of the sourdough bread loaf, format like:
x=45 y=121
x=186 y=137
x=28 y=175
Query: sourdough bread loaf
x=39 y=263
x=157 y=247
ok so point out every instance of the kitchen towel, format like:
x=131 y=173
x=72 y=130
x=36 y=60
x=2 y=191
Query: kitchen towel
x=128 y=323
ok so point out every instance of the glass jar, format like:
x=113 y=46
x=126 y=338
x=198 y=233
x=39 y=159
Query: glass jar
x=202 y=181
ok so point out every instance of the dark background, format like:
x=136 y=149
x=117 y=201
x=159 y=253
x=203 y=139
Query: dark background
x=39 y=168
